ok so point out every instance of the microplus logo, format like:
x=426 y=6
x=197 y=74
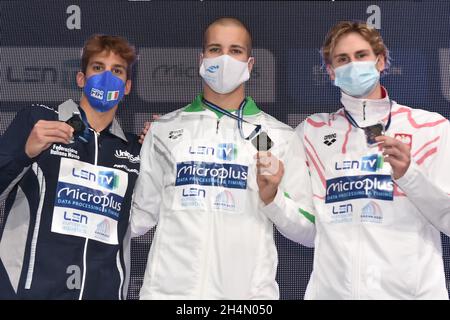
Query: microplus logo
x=360 y=187
x=212 y=174
x=86 y=199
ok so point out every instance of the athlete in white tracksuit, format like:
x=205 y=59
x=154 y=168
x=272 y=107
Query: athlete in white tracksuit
x=197 y=183
x=376 y=238
x=379 y=209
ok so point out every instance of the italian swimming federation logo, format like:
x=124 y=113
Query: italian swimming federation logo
x=225 y=201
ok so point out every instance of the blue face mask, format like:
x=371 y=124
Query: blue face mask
x=104 y=91
x=357 y=78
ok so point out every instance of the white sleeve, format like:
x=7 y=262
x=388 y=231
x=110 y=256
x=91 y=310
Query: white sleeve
x=429 y=189
x=148 y=189
x=292 y=210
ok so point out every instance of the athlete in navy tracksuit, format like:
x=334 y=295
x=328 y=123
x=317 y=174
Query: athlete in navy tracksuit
x=68 y=202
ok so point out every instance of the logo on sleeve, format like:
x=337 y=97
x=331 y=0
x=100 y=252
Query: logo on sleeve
x=175 y=134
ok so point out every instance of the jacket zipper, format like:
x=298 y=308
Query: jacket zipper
x=87 y=240
x=356 y=276
x=217 y=126
x=209 y=236
x=364 y=110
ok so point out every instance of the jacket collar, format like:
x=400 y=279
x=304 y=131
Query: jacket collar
x=197 y=105
x=367 y=112
x=66 y=109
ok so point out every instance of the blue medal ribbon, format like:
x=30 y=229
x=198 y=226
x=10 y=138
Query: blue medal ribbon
x=239 y=118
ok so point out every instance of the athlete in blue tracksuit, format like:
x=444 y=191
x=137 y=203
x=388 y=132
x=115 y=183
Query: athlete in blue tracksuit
x=68 y=187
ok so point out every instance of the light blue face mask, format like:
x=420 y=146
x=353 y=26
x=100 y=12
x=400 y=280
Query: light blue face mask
x=357 y=78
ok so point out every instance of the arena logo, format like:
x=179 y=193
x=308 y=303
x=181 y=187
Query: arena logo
x=162 y=69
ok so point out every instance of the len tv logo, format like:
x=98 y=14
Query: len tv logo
x=226 y=151
x=106 y=179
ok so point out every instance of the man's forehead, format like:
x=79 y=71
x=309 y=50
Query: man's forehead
x=229 y=33
x=109 y=57
x=351 y=47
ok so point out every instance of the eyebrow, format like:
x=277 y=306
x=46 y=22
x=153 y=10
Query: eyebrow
x=232 y=46
x=238 y=46
x=97 y=62
x=117 y=65
x=345 y=54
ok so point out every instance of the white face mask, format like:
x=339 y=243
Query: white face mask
x=223 y=74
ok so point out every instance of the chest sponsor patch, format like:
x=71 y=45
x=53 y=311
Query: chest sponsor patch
x=88 y=201
x=359 y=187
x=225 y=175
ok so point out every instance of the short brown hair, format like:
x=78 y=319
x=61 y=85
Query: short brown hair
x=98 y=43
x=227 y=21
x=370 y=34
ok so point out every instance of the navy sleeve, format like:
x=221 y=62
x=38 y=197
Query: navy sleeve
x=6 y=290
x=13 y=159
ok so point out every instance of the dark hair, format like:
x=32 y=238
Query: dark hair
x=227 y=21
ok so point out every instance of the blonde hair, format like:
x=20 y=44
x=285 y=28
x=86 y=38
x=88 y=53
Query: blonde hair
x=370 y=34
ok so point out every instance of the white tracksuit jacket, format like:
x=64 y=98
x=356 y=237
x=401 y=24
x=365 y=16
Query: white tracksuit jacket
x=197 y=183
x=376 y=238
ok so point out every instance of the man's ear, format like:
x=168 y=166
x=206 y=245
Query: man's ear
x=381 y=64
x=200 y=59
x=330 y=72
x=81 y=79
x=127 y=87
x=251 y=63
